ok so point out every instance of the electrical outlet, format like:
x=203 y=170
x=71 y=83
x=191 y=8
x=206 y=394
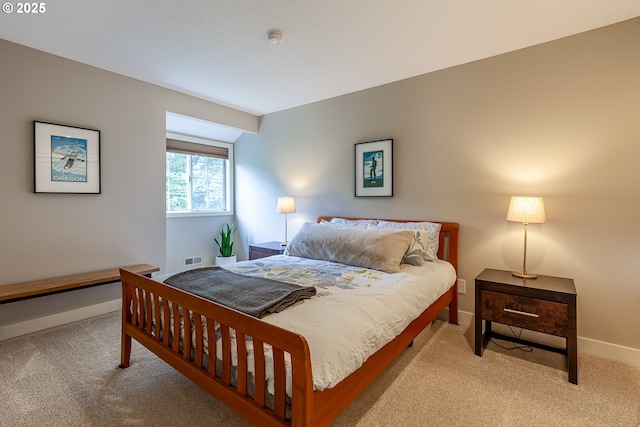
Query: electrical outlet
x=462 y=286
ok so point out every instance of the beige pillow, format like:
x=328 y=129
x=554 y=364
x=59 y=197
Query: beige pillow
x=376 y=249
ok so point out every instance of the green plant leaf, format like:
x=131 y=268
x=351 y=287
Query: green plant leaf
x=225 y=245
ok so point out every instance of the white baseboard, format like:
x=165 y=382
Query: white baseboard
x=38 y=324
x=628 y=355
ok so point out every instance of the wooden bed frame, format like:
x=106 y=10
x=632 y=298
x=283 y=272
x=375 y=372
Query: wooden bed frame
x=144 y=299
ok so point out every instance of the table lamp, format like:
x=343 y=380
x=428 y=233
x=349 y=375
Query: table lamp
x=526 y=210
x=286 y=205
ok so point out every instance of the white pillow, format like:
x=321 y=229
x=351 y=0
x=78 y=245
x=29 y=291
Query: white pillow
x=379 y=249
x=431 y=242
x=354 y=222
x=340 y=224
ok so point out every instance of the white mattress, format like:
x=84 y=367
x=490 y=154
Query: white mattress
x=356 y=310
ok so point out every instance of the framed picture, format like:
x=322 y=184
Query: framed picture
x=374 y=168
x=67 y=159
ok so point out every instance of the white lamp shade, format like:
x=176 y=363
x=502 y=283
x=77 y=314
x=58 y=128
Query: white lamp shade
x=527 y=210
x=286 y=205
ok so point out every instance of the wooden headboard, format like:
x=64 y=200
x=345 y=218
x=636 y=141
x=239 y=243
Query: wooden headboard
x=448 y=248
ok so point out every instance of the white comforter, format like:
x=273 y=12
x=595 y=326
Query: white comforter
x=356 y=311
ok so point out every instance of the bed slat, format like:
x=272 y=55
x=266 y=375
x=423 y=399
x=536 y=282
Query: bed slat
x=157 y=310
x=226 y=354
x=166 y=328
x=186 y=324
x=147 y=312
x=260 y=386
x=143 y=310
x=135 y=307
x=197 y=319
x=280 y=381
x=241 y=343
x=211 y=347
x=176 y=327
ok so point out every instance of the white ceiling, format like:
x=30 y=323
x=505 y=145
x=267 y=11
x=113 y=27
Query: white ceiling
x=218 y=49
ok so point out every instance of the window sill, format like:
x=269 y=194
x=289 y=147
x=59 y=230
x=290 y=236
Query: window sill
x=198 y=214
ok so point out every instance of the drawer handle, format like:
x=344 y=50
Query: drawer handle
x=524 y=313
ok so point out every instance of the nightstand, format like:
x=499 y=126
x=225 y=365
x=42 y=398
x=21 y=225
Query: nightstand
x=261 y=250
x=546 y=304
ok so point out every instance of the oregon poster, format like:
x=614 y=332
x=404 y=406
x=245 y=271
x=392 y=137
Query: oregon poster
x=68 y=159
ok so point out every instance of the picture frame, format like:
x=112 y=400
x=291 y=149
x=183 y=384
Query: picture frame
x=66 y=159
x=374 y=168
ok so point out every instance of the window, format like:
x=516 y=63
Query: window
x=198 y=176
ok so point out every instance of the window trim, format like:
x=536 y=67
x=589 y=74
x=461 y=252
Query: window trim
x=229 y=178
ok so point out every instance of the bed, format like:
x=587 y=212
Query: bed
x=263 y=368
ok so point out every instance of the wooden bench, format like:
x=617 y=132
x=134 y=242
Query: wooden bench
x=38 y=288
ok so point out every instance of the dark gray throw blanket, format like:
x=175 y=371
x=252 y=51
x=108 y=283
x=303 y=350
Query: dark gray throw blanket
x=254 y=296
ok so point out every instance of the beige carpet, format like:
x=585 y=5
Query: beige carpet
x=67 y=376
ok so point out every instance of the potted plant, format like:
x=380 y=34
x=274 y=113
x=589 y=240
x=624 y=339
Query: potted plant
x=225 y=245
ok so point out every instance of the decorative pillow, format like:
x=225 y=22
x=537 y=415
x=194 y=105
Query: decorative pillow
x=431 y=241
x=416 y=253
x=376 y=249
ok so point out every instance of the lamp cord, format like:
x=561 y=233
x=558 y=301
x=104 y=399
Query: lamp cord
x=515 y=346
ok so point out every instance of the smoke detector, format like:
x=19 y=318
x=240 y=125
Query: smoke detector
x=274 y=36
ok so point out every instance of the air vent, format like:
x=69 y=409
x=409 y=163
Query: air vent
x=193 y=261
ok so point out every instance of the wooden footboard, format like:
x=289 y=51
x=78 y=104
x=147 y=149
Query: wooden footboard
x=149 y=306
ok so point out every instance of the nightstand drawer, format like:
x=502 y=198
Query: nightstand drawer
x=261 y=253
x=261 y=250
x=529 y=313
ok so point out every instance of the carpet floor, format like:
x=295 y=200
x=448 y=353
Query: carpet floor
x=68 y=376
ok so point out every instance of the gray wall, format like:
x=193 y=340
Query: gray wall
x=47 y=235
x=559 y=120
x=193 y=236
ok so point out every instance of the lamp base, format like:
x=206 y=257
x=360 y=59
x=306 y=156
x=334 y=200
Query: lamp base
x=524 y=275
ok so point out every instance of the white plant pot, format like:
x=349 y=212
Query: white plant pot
x=222 y=260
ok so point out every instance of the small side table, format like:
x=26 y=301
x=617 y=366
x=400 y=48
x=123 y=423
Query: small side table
x=546 y=304
x=261 y=250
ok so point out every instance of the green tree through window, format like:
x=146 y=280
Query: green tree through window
x=196 y=182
